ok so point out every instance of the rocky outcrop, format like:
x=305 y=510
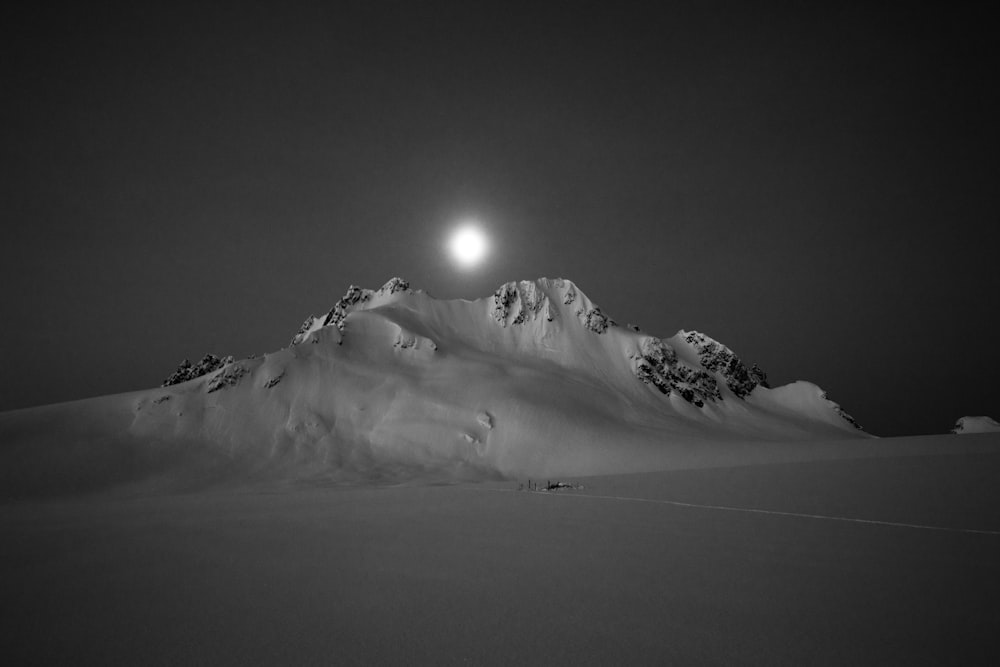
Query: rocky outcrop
x=848 y=418
x=717 y=358
x=228 y=377
x=307 y=327
x=393 y=286
x=570 y=295
x=354 y=296
x=188 y=371
x=595 y=320
x=758 y=374
x=520 y=302
x=657 y=365
x=843 y=414
x=407 y=340
x=517 y=303
x=227 y=373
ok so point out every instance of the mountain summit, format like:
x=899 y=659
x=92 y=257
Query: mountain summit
x=533 y=380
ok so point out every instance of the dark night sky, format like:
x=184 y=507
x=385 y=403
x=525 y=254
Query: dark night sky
x=816 y=189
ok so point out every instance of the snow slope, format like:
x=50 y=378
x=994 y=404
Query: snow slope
x=749 y=565
x=392 y=383
x=981 y=424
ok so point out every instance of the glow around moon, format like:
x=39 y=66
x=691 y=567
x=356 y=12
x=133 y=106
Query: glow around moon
x=468 y=246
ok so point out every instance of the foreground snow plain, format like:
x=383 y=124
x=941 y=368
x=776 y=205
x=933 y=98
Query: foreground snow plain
x=481 y=573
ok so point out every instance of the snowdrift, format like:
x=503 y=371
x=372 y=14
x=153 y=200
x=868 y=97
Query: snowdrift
x=393 y=384
x=976 y=424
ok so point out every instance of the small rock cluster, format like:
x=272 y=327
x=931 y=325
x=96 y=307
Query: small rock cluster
x=595 y=320
x=304 y=330
x=570 y=295
x=229 y=377
x=393 y=286
x=188 y=371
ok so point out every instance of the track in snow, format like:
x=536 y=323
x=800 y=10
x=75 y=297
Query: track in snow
x=752 y=510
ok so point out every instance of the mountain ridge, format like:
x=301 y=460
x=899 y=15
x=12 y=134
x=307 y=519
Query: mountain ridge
x=392 y=383
x=655 y=362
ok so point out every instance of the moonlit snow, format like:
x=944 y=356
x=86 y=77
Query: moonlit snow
x=362 y=497
x=980 y=424
x=392 y=384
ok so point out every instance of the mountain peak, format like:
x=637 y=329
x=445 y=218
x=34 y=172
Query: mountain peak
x=355 y=298
x=518 y=302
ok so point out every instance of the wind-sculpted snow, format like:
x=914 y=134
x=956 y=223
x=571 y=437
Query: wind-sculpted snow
x=354 y=298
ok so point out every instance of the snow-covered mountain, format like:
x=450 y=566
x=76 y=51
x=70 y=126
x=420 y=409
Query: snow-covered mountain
x=533 y=380
x=977 y=424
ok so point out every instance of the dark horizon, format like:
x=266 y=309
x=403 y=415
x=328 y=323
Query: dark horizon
x=813 y=188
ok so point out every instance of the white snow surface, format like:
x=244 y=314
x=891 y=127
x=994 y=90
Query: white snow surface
x=393 y=383
x=978 y=424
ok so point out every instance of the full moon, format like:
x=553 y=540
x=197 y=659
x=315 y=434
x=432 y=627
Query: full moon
x=468 y=245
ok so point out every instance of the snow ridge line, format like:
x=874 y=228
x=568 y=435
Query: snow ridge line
x=751 y=510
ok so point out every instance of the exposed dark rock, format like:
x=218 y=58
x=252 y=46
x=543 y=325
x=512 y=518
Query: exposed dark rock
x=274 y=381
x=849 y=418
x=186 y=371
x=525 y=298
x=503 y=299
x=717 y=358
x=393 y=286
x=354 y=296
x=228 y=377
x=758 y=374
x=596 y=321
x=658 y=365
x=303 y=331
